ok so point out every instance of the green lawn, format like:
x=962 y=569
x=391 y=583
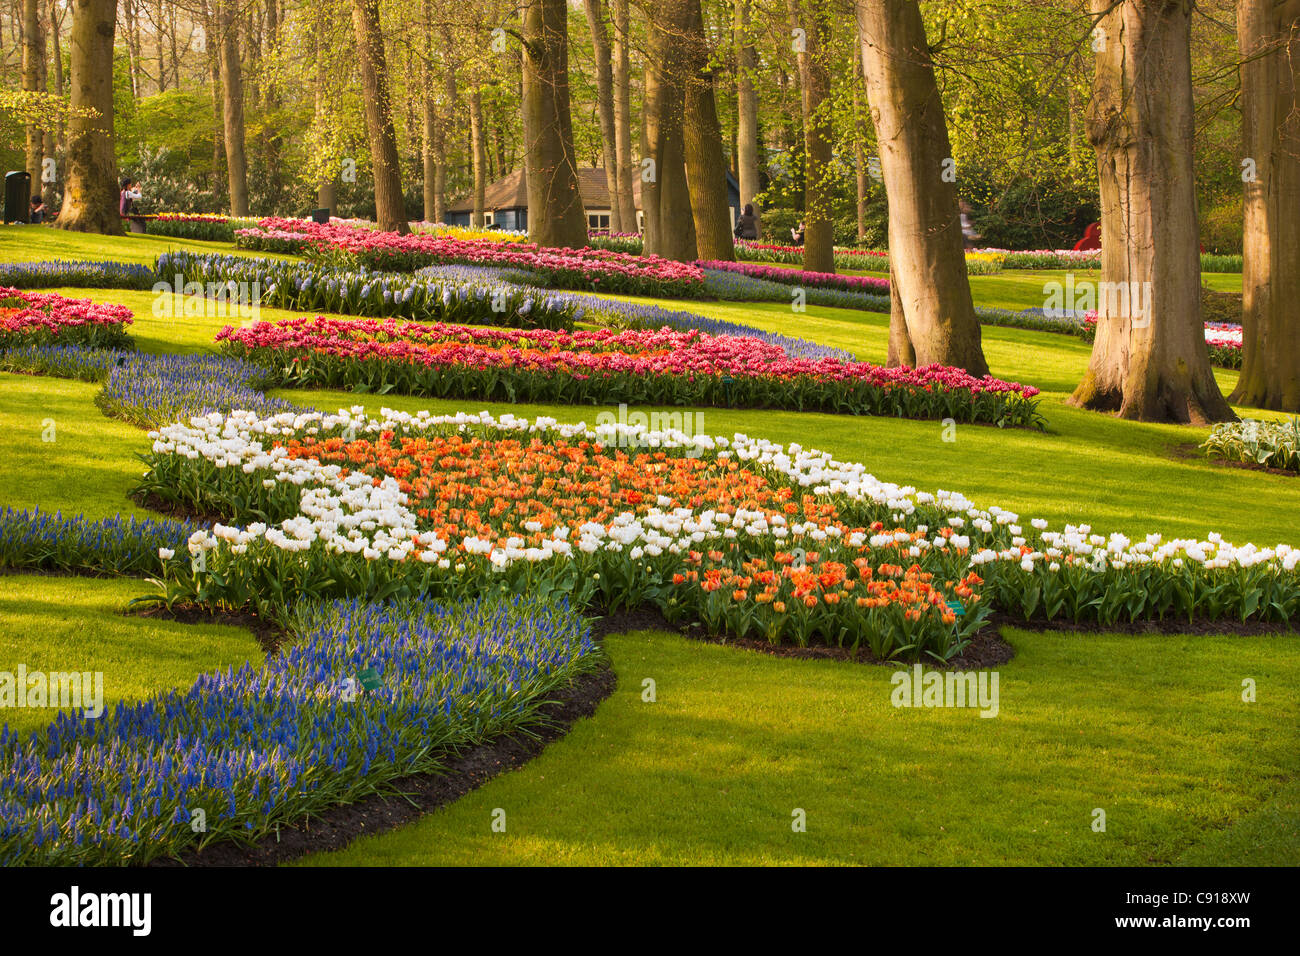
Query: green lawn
x=1151 y=729
x=35 y=243
x=60 y=624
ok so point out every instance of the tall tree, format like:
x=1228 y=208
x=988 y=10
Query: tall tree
x=933 y=316
x=327 y=192
x=706 y=166
x=1268 y=35
x=33 y=80
x=555 y=213
x=1149 y=360
x=429 y=103
x=478 y=146
x=623 y=118
x=605 y=106
x=863 y=183
x=232 y=108
x=665 y=198
x=746 y=106
x=390 y=207
x=90 y=195
x=812 y=17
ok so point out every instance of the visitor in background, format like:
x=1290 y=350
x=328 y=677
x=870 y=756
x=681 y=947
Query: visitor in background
x=38 y=210
x=127 y=198
x=968 y=233
x=796 y=234
x=747 y=224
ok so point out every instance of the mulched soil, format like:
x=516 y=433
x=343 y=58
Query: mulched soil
x=268 y=635
x=1167 y=626
x=418 y=794
x=176 y=510
x=1194 y=452
x=986 y=649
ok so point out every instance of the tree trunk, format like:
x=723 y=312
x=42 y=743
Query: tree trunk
x=623 y=119
x=440 y=184
x=555 y=214
x=160 y=46
x=212 y=36
x=706 y=165
x=746 y=109
x=232 y=101
x=327 y=193
x=390 y=207
x=859 y=144
x=1268 y=34
x=90 y=193
x=478 y=145
x=929 y=286
x=34 y=81
x=605 y=107
x=1149 y=361
x=429 y=142
x=815 y=79
x=665 y=197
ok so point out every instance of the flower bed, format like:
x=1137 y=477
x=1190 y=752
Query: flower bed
x=86 y=275
x=1091 y=259
x=594 y=269
x=865 y=260
x=310 y=287
x=200 y=226
x=263 y=746
x=603 y=367
x=745 y=536
x=40 y=541
x=799 y=277
x=38 y=318
x=1271 y=444
x=146 y=389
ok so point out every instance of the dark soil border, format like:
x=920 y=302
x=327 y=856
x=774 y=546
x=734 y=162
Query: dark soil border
x=418 y=794
x=1192 y=452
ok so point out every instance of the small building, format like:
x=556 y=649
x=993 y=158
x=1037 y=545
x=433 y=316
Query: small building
x=505 y=202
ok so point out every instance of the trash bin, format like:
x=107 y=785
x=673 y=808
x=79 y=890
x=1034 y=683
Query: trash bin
x=320 y=215
x=18 y=196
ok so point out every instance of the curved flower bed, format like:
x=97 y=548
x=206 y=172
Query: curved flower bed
x=800 y=277
x=39 y=318
x=594 y=269
x=603 y=367
x=746 y=536
x=87 y=275
x=262 y=746
x=148 y=390
x=302 y=286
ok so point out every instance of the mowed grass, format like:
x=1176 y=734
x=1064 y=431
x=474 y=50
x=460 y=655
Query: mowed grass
x=59 y=624
x=1151 y=730
x=37 y=243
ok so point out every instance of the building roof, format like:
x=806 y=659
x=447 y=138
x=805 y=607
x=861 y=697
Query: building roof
x=512 y=192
